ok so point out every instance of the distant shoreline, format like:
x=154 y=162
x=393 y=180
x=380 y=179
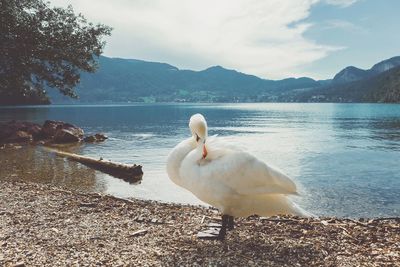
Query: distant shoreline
x=185 y=103
x=43 y=225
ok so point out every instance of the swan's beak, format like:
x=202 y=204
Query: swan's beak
x=204 y=151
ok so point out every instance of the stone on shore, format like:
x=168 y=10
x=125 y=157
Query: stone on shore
x=62 y=132
x=52 y=132
x=19 y=132
x=95 y=138
x=19 y=137
x=68 y=135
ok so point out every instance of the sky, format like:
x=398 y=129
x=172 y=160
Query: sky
x=272 y=39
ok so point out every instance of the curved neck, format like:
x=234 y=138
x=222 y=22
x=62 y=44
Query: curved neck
x=176 y=157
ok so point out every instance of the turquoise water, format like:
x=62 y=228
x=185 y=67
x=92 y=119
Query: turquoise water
x=345 y=158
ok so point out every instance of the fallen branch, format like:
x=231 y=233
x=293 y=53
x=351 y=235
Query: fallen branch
x=131 y=173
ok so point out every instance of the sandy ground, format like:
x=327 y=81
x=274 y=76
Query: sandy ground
x=41 y=225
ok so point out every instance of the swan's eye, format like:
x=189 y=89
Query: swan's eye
x=197 y=138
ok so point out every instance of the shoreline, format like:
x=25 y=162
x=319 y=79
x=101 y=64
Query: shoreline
x=47 y=225
x=89 y=104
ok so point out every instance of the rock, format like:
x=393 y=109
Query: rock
x=12 y=131
x=95 y=138
x=49 y=128
x=61 y=132
x=210 y=233
x=35 y=130
x=89 y=139
x=55 y=131
x=19 y=137
x=69 y=135
x=100 y=137
x=40 y=142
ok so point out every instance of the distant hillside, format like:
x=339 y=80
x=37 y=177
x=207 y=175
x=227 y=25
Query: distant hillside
x=386 y=65
x=124 y=80
x=351 y=74
x=130 y=80
x=381 y=88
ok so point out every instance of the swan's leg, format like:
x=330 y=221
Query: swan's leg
x=222 y=231
x=216 y=231
x=231 y=223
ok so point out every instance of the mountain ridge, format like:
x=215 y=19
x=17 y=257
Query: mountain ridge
x=351 y=73
x=381 y=88
x=133 y=80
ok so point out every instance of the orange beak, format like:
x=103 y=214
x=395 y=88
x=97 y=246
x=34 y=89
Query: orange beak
x=204 y=152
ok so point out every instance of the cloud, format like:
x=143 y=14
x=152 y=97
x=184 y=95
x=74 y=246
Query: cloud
x=344 y=25
x=259 y=37
x=341 y=3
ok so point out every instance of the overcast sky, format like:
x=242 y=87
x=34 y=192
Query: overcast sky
x=269 y=38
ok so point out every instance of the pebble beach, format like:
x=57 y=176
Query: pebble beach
x=44 y=225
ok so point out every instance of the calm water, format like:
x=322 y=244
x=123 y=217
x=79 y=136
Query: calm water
x=345 y=158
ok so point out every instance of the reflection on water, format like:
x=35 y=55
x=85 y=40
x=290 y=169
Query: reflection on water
x=344 y=157
x=36 y=165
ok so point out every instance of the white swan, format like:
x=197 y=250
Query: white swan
x=235 y=182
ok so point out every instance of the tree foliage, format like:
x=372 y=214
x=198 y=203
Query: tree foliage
x=44 y=47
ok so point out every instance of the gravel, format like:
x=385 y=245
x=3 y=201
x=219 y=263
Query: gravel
x=43 y=225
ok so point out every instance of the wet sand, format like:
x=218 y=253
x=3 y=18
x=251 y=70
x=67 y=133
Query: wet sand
x=44 y=225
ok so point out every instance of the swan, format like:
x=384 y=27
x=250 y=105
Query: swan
x=233 y=181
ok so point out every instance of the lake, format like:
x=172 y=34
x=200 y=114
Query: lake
x=345 y=158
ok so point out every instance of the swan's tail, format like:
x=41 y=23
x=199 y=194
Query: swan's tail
x=269 y=205
x=298 y=211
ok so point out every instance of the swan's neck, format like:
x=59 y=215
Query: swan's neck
x=176 y=157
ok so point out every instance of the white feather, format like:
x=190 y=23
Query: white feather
x=175 y=158
x=231 y=180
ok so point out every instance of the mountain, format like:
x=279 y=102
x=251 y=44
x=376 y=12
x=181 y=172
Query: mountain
x=120 y=80
x=130 y=80
x=351 y=73
x=386 y=65
x=383 y=87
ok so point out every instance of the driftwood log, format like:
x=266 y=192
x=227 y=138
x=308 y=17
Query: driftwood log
x=130 y=173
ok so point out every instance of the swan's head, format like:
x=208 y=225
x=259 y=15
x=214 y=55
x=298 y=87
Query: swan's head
x=198 y=127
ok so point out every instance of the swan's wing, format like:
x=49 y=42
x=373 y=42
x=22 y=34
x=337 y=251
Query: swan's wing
x=218 y=146
x=247 y=175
